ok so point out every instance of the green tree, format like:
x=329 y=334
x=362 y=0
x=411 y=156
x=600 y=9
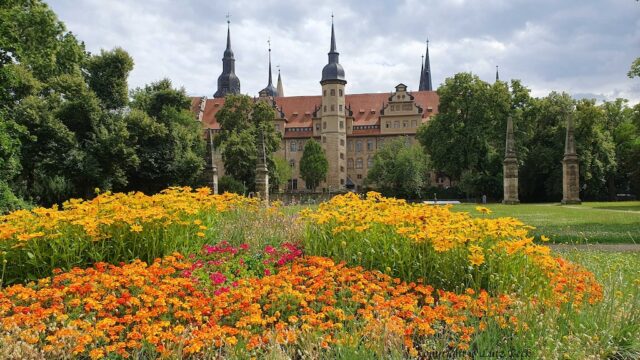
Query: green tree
x=399 y=170
x=282 y=173
x=168 y=141
x=313 y=164
x=107 y=76
x=635 y=69
x=244 y=124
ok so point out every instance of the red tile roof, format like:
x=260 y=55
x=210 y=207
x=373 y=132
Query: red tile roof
x=299 y=110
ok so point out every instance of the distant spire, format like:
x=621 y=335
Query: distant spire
x=280 y=88
x=421 y=85
x=228 y=82
x=333 y=70
x=270 y=89
x=333 y=37
x=497 y=75
x=427 y=86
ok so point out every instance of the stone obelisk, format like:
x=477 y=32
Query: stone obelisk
x=570 y=170
x=510 y=168
x=214 y=168
x=262 y=172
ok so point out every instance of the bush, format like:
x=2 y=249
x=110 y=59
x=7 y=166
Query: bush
x=8 y=200
x=231 y=185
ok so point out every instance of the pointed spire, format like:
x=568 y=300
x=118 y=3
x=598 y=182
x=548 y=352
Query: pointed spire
x=427 y=86
x=270 y=89
x=421 y=85
x=510 y=148
x=228 y=82
x=333 y=70
x=280 y=88
x=497 y=75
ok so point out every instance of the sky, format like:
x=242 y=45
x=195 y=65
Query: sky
x=583 y=47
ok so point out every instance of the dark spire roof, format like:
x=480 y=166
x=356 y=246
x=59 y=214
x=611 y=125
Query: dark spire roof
x=280 y=87
x=333 y=71
x=270 y=89
x=426 y=83
x=497 y=75
x=421 y=86
x=228 y=82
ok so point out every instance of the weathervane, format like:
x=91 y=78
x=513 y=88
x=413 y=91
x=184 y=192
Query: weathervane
x=228 y=18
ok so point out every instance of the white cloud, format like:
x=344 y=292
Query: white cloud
x=575 y=46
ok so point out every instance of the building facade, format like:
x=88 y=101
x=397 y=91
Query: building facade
x=350 y=127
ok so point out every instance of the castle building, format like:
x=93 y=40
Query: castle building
x=350 y=127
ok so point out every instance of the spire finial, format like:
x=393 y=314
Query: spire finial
x=228 y=31
x=270 y=80
x=333 y=37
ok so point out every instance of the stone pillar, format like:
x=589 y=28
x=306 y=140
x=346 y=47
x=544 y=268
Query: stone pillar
x=262 y=173
x=214 y=168
x=510 y=168
x=570 y=169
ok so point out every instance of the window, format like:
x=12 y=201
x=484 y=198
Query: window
x=340 y=92
x=386 y=124
x=404 y=124
x=350 y=164
x=359 y=176
x=333 y=92
x=370 y=162
x=342 y=156
x=358 y=146
x=292 y=163
x=341 y=142
x=293 y=184
x=341 y=168
x=340 y=107
x=350 y=145
x=341 y=122
x=396 y=124
x=317 y=126
x=293 y=146
x=341 y=181
x=359 y=163
x=333 y=107
x=370 y=145
x=324 y=125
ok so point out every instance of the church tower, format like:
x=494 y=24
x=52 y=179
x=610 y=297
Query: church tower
x=228 y=82
x=334 y=133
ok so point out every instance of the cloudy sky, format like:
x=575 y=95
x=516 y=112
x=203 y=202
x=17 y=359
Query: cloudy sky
x=584 y=47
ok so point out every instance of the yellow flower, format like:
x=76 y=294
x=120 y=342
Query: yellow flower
x=476 y=259
x=544 y=238
x=483 y=210
x=136 y=228
x=200 y=234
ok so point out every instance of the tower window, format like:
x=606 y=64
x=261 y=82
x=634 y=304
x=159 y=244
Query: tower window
x=333 y=92
x=340 y=107
x=341 y=168
x=341 y=142
x=342 y=156
x=340 y=92
x=341 y=181
x=341 y=122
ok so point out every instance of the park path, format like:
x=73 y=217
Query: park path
x=600 y=247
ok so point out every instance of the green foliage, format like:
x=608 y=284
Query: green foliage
x=167 y=140
x=399 y=170
x=244 y=124
x=231 y=185
x=108 y=73
x=282 y=173
x=313 y=164
x=635 y=69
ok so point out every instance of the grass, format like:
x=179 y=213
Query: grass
x=591 y=222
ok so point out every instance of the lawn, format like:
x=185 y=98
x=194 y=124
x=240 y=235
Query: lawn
x=591 y=222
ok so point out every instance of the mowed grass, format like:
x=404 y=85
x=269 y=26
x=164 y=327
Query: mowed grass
x=591 y=222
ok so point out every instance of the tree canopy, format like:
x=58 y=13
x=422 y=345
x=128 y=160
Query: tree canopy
x=313 y=164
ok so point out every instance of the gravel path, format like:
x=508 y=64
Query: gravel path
x=601 y=247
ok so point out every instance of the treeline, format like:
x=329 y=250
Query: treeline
x=466 y=140
x=69 y=125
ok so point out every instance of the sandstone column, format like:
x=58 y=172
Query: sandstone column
x=570 y=170
x=214 y=168
x=510 y=168
x=262 y=173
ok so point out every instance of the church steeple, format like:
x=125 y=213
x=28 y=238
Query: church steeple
x=228 y=82
x=333 y=71
x=280 y=87
x=270 y=89
x=426 y=73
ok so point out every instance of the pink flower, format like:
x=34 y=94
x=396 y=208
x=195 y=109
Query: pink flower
x=244 y=246
x=221 y=290
x=234 y=284
x=218 y=278
x=267 y=272
x=269 y=249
